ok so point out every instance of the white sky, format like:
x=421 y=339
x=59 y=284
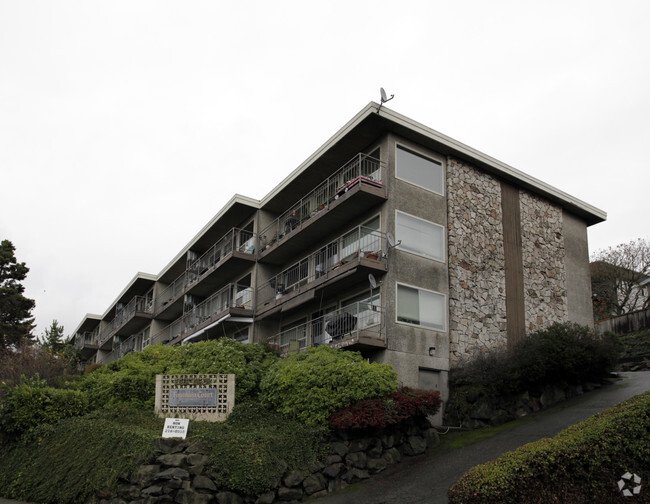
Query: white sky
x=126 y=125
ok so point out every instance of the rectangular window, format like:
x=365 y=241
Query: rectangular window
x=420 y=236
x=419 y=170
x=421 y=307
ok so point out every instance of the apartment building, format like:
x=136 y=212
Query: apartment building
x=391 y=239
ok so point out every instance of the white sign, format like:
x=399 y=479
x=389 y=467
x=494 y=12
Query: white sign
x=176 y=427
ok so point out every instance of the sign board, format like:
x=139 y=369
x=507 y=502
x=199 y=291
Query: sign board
x=205 y=397
x=176 y=428
x=192 y=398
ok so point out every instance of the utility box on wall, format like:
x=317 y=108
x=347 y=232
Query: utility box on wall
x=206 y=397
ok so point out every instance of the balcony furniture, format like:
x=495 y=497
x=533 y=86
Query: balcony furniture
x=341 y=324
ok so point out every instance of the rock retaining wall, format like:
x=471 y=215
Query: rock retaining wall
x=492 y=411
x=177 y=471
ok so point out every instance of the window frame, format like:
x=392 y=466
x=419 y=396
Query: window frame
x=445 y=308
x=443 y=259
x=426 y=157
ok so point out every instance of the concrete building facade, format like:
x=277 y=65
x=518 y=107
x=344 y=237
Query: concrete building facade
x=392 y=239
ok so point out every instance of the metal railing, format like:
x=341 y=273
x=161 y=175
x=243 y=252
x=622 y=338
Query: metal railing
x=172 y=292
x=350 y=247
x=236 y=239
x=230 y=296
x=361 y=168
x=139 y=304
x=333 y=327
x=169 y=333
x=86 y=338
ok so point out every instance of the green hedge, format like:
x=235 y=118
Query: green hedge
x=71 y=461
x=30 y=404
x=131 y=380
x=311 y=385
x=581 y=465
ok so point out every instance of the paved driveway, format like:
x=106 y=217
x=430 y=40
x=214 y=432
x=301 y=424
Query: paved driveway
x=426 y=478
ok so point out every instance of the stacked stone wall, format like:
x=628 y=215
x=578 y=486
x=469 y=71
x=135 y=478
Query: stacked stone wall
x=544 y=263
x=177 y=471
x=477 y=296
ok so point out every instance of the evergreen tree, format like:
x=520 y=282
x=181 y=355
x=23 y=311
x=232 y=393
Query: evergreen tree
x=16 y=321
x=53 y=338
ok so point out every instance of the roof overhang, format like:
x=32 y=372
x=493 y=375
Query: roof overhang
x=371 y=122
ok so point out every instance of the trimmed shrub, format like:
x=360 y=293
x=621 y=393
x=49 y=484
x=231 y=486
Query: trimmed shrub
x=131 y=380
x=32 y=403
x=311 y=385
x=581 y=465
x=380 y=412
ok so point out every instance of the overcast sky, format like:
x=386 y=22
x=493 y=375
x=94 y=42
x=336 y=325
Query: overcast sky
x=126 y=125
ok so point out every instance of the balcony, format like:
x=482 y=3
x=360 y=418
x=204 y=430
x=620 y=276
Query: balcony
x=87 y=343
x=236 y=248
x=232 y=301
x=353 y=189
x=351 y=256
x=358 y=326
x=128 y=319
x=171 y=295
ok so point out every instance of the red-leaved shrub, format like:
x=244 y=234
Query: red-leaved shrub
x=383 y=411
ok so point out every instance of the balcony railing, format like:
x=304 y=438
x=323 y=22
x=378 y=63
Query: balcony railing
x=139 y=304
x=357 y=323
x=239 y=240
x=360 y=169
x=360 y=242
x=169 y=333
x=173 y=291
x=230 y=296
x=236 y=239
x=89 y=338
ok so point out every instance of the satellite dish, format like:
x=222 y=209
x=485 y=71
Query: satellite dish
x=391 y=240
x=373 y=282
x=384 y=98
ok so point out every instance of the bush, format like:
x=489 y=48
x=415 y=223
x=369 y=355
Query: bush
x=311 y=385
x=401 y=405
x=561 y=354
x=251 y=450
x=131 y=380
x=71 y=461
x=32 y=403
x=581 y=465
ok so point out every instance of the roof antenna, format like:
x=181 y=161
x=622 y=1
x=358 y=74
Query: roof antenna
x=384 y=98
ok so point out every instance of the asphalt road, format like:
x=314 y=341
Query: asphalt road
x=426 y=478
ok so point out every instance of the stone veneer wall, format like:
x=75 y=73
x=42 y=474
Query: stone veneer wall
x=544 y=262
x=477 y=296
